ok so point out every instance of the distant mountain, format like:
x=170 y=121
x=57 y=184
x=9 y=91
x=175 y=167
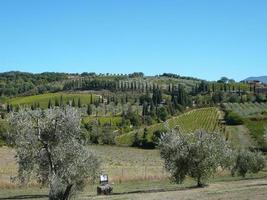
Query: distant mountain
x=258 y=78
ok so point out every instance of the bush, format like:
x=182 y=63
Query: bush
x=162 y=113
x=107 y=136
x=197 y=155
x=3 y=132
x=232 y=118
x=248 y=162
x=157 y=135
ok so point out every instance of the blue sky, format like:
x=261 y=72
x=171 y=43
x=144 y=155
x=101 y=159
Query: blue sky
x=200 y=38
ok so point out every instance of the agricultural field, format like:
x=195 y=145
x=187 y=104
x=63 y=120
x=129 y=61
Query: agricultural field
x=257 y=128
x=138 y=174
x=121 y=163
x=246 y=109
x=255 y=119
x=43 y=99
x=239 y=136
x=199 y=119
x=112 y=121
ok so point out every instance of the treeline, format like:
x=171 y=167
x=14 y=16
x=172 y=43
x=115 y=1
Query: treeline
x=205 y=86
x=113 y=85
x=171 y=75
x=16 y=83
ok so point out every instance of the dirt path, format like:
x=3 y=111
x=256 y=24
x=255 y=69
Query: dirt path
x=236 y=190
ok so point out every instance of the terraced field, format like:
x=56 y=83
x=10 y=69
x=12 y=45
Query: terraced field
x=199 y=119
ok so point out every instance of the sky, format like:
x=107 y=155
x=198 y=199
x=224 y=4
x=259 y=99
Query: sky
x=201 y=38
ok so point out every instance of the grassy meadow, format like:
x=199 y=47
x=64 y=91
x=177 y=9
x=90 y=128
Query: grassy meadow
x=126 y=169
x=43 y=99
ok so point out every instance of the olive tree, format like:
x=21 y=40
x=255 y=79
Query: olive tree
x=248 y=162
x=197 y=155
x=49 y=149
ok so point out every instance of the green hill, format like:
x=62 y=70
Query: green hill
x=43 y=99
x=204 y=118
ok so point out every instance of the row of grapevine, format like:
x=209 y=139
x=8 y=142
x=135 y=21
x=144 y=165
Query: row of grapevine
x=206 y=118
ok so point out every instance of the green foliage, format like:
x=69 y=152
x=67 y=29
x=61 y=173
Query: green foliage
x=197 y=155
x=256 y=129
x=233 y=119
x=133 y=117
x=17 y=83
x=50 y=149
x=162 y=113
x=248 y=162
x=4 y=127
x=246 y=110
x=89 y=109
x=203 y=118
x=43 y=99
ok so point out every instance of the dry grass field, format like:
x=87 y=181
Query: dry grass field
x=138 y=174
x=121 y=163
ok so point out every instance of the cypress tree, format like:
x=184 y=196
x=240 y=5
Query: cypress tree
x=79 y=103
x=56 y=102
x=89 y=109
x=49 y=104
x=73 y=104
x=61 y=101
x=8 y=108
x=91 y=99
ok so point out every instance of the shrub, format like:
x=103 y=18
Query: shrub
x=3 y=132
x=248 y=162
x=162 y=113
x=232 y=118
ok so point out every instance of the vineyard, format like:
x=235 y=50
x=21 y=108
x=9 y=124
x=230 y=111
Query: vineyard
x=246 y=109
x=204 y=118
x=199 y=119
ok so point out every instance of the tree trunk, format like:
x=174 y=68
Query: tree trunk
x=199 y=183
x=67 y=192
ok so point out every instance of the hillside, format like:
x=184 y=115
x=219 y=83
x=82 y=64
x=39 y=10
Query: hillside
x=258 y=78
x=15 y=83
x=199 y=119
x=42 y=100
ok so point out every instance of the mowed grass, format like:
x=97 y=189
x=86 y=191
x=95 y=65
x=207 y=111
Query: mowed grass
x=43 y=99
x=220 y=187
x=199 y=119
